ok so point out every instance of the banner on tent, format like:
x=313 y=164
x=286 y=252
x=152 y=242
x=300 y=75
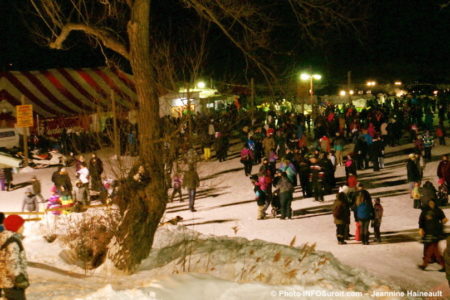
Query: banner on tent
x=55 y=126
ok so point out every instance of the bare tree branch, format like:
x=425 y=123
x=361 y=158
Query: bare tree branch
x=107 y=39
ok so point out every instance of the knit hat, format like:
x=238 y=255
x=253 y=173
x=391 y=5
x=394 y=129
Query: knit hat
x=13 y=222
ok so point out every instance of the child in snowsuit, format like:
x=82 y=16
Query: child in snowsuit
x=13 y=261
x=177 y=182
x=260 y=197
x=30 y=203
x=378 y=215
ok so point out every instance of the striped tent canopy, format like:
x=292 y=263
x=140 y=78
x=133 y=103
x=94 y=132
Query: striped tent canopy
x=68 y=92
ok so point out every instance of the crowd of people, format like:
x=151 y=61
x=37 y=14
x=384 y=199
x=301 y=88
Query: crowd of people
x=290 y=151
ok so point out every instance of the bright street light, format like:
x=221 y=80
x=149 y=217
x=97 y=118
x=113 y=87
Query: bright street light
x=371 y=83
x=201 y=84
x=311 y=78
x=398 y=83
x=342 y=93
x=306 y=76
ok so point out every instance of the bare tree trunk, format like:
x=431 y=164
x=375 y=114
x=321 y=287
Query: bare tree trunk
x=144 y=209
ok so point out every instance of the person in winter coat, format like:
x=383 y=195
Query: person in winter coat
x=440 y=134
x=329 y=181
x=341 y=215
x=83 y=175
x=37 y=191
x=360 y=151
x=177 y=182
x=221 y=147
x=268 y=144
x=2 y=218
x=288 y=167
x=364 y=214
x=2 y=180
x=62 y=182
x=54 y=202
x=260 y=197
x=13 y=261
x=285 y=192
x=350 y=166
x=191 y=181
x=412 y=171
x=428 y=142
x=339 y=143
x=95 y=172
x=324 y=142
x=378 y=215
x=247 y=160
x=431 y=230
x=316 y=175
x=30 y=202
x=447 y=260
x=375 y=152
x=427 y=193
x=273 y=157
x=8 y=173
x=443 y=170
x=303 y=174
x=80 y=193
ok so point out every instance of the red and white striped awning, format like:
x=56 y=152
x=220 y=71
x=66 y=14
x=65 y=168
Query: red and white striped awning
x=57 y=92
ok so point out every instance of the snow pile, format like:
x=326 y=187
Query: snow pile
x=197 y=266
x=178 y=250
x=204 y=287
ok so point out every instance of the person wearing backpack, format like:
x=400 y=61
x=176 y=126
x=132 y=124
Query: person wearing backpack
x=13 y=262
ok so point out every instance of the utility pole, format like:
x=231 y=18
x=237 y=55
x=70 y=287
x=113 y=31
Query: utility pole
x=349 y=86
x=115 y=129
x=25 y=138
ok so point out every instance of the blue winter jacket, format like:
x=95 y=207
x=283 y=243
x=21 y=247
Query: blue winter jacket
x=364 y=211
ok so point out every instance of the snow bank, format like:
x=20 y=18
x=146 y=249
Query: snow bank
x=197 y=266
x=179 y=250
x=201 y=287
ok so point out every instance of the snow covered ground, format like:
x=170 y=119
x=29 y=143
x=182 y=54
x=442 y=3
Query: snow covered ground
x=225 y=207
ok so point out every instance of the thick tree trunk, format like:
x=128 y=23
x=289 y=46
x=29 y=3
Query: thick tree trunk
x=144 y=207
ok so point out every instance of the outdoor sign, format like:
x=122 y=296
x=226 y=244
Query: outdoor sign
x=24 y=115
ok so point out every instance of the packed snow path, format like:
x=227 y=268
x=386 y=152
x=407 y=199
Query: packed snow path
x=225 y=206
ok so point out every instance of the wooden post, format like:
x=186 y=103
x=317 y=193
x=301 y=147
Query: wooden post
x=116 y=140
x=252 y=90
x=25 y=138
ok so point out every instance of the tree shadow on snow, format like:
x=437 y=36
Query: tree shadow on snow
x=20 y=185
x=400 y=236
x=221 y=173
x=315 y=211
x=219 y=221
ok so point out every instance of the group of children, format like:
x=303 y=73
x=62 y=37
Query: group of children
x=58 y=203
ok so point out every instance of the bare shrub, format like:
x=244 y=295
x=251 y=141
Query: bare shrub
x=88 y=239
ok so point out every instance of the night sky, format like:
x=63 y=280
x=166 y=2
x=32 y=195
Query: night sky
x=407 y=40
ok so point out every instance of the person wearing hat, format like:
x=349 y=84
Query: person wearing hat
x=13 y=262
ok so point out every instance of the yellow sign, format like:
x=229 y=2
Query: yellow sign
x=24 y=115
